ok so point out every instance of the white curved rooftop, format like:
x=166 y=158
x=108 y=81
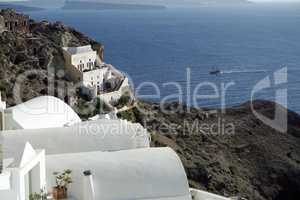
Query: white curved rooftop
x=98 y=135
x=43 y=112
x=139 y=174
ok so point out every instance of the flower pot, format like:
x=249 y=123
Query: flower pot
x=59 y=193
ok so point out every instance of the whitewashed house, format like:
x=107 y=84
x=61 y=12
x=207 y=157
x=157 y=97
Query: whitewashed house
x=120 y=169
x=84 y=66
x=78 y=60
x=23 y=175
x=116 y=152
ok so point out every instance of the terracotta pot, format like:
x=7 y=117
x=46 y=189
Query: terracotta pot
x=59 y=193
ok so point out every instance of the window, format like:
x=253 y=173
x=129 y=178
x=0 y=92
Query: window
x=6 y=24
x=91 y=78
x=90 y=65
x=80 y=67
x=16 y=23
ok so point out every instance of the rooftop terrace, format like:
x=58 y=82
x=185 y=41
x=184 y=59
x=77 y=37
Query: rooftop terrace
x=78 y=50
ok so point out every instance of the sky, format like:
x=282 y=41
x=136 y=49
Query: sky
x=249 y=0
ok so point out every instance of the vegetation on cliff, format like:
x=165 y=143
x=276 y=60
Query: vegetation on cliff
x=255 y=161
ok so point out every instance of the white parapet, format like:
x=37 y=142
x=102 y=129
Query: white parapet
x=5 y=181
x=202 y=195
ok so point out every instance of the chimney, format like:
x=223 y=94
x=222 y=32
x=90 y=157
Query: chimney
x=88 y=186
x=2 y=108
x=2 y=118
x=2 y=103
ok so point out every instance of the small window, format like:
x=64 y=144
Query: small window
x=16 y=23
x=91 y=78
x=6 y=24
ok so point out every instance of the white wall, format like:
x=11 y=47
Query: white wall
x=84 y=58
x=95 y=76
x=143 y=174
x=19 y=188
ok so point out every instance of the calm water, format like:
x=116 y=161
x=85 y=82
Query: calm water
x=247 y=43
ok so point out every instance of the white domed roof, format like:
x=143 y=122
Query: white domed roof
x=44 y=112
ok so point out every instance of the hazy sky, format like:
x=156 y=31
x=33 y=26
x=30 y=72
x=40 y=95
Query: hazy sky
x=249 y=0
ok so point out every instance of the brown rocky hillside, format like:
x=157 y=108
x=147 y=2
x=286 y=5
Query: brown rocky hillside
x=255 y=162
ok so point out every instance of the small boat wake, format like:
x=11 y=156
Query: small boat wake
x=242 y=71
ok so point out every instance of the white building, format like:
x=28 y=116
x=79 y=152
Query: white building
x=23 y=175
x=141 y=173
x=40 y=112
x=116 y=152
x=84 y=66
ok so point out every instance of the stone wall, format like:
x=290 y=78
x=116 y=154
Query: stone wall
x=13 y=21
x=115 y=95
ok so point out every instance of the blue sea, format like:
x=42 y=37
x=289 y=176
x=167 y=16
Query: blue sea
x=246 y=43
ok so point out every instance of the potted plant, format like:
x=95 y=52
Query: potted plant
x=62 y=180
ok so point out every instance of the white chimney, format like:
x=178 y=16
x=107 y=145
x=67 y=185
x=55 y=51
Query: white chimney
x=2 y=104
x=2 y=117
x=88 y=186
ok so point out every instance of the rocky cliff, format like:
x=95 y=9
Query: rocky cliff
x=252 y=160
x=41 y=50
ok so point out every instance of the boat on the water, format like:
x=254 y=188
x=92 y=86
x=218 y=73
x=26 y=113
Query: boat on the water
x=215 y=72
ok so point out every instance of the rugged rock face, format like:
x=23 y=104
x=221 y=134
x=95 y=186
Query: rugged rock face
x=38 y=50
x=254 y=161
